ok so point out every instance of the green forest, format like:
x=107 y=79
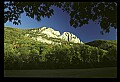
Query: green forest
x=22 y=52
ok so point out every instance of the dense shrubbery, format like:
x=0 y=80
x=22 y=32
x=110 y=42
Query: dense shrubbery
x=56 y=56
x=28 y=54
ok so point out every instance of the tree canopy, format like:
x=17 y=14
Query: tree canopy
x=103 y=13
x=21 y=52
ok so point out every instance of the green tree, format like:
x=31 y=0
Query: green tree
x=94 y=55
x=112 y=54
x=84 y=53
x=61 y=53
x=75 y=53
x=102 y=53
x=11 y=56
x=103 y=13
x=34 y=56
x=24 y=54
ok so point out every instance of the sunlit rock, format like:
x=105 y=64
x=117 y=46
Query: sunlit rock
x=51 y=33
x=67 y=36
x=26 y=34
x=46 y=35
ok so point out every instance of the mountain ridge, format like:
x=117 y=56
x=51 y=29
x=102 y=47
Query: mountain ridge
x=45 y=34
x=22 y=51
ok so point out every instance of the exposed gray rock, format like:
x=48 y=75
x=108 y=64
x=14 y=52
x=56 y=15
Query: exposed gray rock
x=51 y=33
x=67 y=36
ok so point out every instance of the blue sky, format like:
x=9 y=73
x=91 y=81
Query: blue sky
x=60 y=21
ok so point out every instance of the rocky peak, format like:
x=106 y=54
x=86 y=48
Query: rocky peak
x=67 y=36
x=51 y=33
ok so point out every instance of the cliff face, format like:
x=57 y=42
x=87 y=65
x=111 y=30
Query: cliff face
x=50 y=32
x=49 y=35
x=67 y=36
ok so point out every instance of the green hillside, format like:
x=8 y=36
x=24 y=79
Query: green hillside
x=21 y=52
x=103 y=44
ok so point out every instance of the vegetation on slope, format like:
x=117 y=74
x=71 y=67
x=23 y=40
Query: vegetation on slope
x=22 y=52
x=103 y=44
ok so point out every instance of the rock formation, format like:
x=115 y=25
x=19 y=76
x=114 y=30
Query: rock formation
x=46 y=35
x=67 y=36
